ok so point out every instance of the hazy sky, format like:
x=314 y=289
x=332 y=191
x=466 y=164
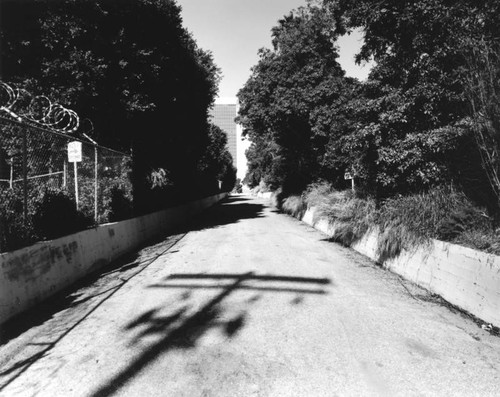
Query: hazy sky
x=235 y=29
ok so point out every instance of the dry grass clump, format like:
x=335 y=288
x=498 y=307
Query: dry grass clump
x=353 y=216
x=405 y=222
x=320 y=194
x=487 y=241
x=441 y=213
x=295 y=206
x=261 y=188
x=355 y=219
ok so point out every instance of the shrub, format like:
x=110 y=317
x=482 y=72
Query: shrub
x=354 y=220
x=405 y=222
x=120 y=206
x=261 y=188
x=295 y=206
x=319 y=194
x=442 y=213
x=56 y=215
x=488 y=241
x=15 y=233
x=353 y=216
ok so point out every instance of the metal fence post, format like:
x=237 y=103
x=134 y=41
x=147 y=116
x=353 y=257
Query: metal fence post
x=96 y=185
x=25 y=177
x=75 y=167
x=65 y=173
x=11 y=178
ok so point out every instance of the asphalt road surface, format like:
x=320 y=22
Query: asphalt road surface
x=247 y=302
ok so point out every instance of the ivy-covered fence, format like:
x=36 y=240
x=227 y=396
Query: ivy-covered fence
x=45 y=194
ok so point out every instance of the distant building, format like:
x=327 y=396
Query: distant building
x=223 y=114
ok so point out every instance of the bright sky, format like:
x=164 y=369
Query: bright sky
x=234 y=30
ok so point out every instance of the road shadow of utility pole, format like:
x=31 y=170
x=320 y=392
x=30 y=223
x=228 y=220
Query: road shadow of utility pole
x=176 y=331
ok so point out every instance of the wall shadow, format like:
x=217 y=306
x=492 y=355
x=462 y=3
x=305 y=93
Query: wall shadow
x=180 y=330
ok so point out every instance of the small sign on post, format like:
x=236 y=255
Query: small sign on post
x=347 y=176
x=75 y=156
x=74 y=152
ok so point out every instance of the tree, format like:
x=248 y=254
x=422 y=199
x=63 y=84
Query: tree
x=287 y=102
x=129 y=66
x=415 y=135
x=216 y=164
x=483 y=92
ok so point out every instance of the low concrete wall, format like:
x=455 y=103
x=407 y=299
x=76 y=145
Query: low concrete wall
x=464 y=277
x=31 y=274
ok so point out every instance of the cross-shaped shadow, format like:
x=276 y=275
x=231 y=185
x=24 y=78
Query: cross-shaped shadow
x=181 y=331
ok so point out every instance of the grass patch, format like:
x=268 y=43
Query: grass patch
x=405 y=222
x=295 y=206
x=443 y=214
x=353 y=216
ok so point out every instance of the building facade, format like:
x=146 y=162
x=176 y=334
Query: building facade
x=223 y=115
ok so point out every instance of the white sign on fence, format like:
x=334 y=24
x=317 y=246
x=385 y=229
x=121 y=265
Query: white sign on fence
x=74 y=152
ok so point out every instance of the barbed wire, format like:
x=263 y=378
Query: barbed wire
x=21 y=105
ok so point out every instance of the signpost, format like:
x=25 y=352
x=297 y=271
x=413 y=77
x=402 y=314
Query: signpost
x=75 y=156
x=347 y=176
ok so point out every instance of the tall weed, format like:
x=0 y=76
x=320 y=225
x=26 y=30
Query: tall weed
x=405 y=222
x=353 y=216
x=294 y=205
x=409 y=221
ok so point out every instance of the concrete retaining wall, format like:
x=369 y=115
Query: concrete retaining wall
x=464 y=277
x=266 y=195
x=31 y=274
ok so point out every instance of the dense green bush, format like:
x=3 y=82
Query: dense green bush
x=56 y=215
x=120 y=205
x=14 y=233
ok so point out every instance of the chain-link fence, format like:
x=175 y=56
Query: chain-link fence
x=44 y=193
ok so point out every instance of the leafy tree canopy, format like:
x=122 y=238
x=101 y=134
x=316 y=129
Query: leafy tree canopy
x=408 y=127
x=286 y=105
x=129 y=66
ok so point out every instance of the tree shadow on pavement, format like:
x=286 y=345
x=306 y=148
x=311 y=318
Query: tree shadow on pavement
x=182 y=331
x=64 y=311
x=236 y=198
x=59 y=312
x=231 y=210
x=84 y=290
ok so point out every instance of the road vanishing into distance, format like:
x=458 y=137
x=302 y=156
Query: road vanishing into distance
x=247 y=302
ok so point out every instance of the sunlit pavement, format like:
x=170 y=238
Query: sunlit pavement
x=247 y=302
